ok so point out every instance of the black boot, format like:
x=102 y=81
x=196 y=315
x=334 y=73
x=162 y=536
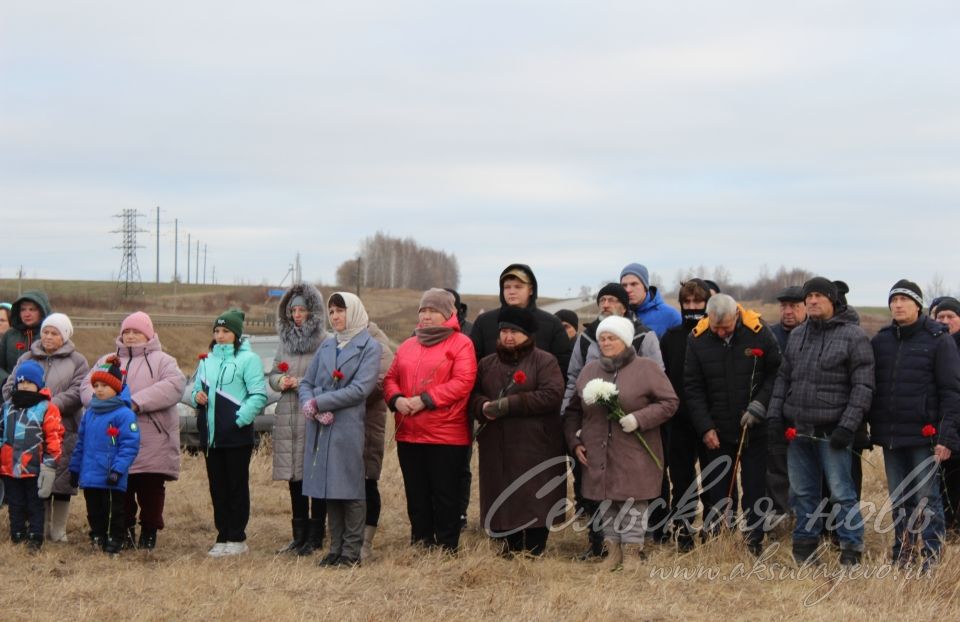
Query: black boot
x=112 y=547
x=34 y=542
x=129 y=539
x=316 y=529
x=850 y=557
x=148 y=539
x=299 y=536
x=804 y=550
x=17 y=537
x=595 y=550
x=97 y=541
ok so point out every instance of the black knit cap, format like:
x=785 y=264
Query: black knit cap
x=617 y=291
x=568 y=316
x=821 y=285
x=794 y=293
x=948 y=303
x=911 y=290
x=517 y=318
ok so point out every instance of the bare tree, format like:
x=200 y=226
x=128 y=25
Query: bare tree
x=389 y=262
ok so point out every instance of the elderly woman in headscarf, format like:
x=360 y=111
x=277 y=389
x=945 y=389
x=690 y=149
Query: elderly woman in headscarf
x=620 y=449
x=156 y=385
x=517 y=402
x=301 y=328
x=64 y=370
x=333 y=394
x=428 y=386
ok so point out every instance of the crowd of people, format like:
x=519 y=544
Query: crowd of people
x=677 y=424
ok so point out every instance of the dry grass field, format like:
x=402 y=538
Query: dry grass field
x=719 y=580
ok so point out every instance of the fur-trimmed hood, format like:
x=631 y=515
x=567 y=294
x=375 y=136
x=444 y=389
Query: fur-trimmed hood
x=304 y=339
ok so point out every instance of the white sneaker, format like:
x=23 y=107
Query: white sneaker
x=236 y=548
x=219 y=549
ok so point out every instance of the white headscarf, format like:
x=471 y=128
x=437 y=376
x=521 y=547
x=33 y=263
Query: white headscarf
x=357 y=318
x=60 y=322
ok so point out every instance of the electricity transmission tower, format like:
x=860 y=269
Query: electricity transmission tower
x=129 y=268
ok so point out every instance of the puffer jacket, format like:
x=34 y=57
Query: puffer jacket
x=64 y=371
x=109 y=440
x=29 y=437
x=826 y=377
x=19 y=338
x=721 y=378
x=375 y=421
x=236 y=393
x=656 y=313
x=586 y=349
x=156 y=386
x=441 y=374
x=918 y=383
x=295 y=351
x=550 y=335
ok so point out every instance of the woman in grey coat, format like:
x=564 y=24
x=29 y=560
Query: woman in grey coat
x=64 y=370
x=301 y=329
x=333 y=395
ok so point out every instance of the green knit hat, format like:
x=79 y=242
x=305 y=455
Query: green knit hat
x=232 y=320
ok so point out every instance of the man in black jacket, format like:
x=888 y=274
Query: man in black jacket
x=914 y=417
x=731 y=364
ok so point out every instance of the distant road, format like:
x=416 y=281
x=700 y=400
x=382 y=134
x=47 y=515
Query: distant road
x=574 y=304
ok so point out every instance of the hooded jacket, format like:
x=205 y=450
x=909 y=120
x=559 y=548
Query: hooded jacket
x=156 y=386
x=656 y=313
x=722 y=377
x=236 y=394
x=918 y=383
x=550 y=336
x=20 y=337
x=826 y=378
x=295 y=351
x=109 y=440
x=63 y=374
x=29 y=437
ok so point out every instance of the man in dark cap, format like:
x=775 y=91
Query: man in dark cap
x=793 y=313
x=571 y=323
x=823 y=390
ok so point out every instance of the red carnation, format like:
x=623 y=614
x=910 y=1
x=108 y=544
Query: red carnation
x=928 y=431
x=113 y=431
x=519 y=377
x=755 y=352
x=790 y=434
x=283 y=367
x=201 y=356
x=337 y=374
x=21 y=345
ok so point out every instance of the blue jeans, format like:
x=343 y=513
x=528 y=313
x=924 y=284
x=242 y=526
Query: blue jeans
x=913 y=479
x=808 y=461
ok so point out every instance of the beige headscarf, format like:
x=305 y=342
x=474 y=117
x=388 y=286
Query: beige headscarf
x=357 y=318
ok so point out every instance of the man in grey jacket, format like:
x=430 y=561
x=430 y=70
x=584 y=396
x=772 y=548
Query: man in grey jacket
x=823 y=389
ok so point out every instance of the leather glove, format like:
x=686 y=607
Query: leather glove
x=497 y=408
x=629 y=423
x=113 y=478
x=841 y=438
x=309 y=408
x=74 y=479
x=45 y=481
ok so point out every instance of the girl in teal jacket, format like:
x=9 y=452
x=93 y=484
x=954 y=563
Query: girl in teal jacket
x=229 y=391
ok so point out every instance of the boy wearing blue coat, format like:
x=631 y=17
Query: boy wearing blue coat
x=107 y=444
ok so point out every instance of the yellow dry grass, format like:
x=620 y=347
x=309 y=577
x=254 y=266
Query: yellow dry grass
x=178 y=580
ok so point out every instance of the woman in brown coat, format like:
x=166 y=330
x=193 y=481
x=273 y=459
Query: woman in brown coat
x=619 y=470
x=517 y=400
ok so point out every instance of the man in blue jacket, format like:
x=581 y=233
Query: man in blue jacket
x=646 y=304
x=914 y=418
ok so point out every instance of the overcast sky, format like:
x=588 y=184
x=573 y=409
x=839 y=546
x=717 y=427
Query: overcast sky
x=573 y=136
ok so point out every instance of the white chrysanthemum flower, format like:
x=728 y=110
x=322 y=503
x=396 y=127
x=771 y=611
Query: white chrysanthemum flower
x=598 y=390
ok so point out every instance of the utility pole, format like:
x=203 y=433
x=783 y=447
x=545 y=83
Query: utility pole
x=176 y=240
x=158 y=245
x=20 y=281
x=129 y=268
x=204 y=263
x=196 y=276
x=188 y=259
x=359 y=261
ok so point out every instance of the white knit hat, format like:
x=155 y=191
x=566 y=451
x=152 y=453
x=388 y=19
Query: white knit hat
x=620 y=327
x=61 y=322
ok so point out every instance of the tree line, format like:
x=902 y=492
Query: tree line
x=388 y=262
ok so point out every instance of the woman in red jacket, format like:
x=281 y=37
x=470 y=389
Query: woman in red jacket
x=428 y=387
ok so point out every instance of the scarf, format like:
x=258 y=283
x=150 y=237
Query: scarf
x=432 y=335
x=612 y=364
x=104 y=406
x=26 y=399
x=513 y=355
x=357 y=318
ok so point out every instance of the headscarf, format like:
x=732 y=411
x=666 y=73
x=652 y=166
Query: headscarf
x=357 y=318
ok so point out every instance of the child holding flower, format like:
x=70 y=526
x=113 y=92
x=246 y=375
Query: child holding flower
x=107 y=444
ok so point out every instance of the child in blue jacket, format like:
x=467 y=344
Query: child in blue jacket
x=107 y=444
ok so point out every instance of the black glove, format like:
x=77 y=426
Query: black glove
x=74 y=479
x=113 y=478
x=841 y=438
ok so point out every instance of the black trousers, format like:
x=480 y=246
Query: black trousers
x=228 y=472
x=753 y=479
x=660 y=507
x=466 y=479
x=533 y=540
x=105 y=512
x=950 y=494
x=686 y=447
x=778 y=479
x=24 y=505
x=431 y=480
x=306 y=507
x=373 y=502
